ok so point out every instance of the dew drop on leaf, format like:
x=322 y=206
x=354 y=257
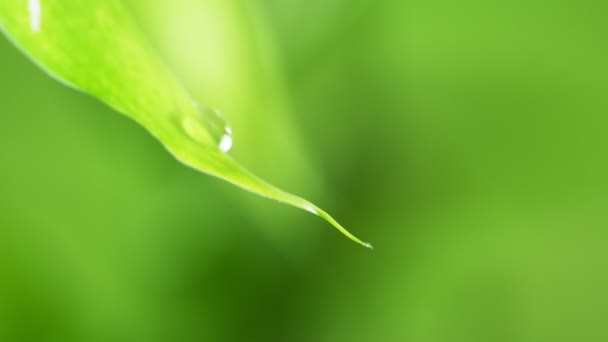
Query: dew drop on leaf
x=209 y=126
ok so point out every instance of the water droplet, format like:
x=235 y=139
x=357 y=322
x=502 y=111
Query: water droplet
x=210 y=124
x=35 y=11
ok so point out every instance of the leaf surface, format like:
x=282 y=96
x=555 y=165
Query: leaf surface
x=97 y=47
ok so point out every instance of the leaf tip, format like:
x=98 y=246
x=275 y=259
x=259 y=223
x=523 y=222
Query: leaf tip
x=339 y=227
x=368 y=245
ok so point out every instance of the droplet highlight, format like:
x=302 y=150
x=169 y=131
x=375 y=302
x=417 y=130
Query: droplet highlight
x=226 y=142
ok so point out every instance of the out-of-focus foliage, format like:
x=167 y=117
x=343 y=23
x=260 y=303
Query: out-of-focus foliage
x=466 y=139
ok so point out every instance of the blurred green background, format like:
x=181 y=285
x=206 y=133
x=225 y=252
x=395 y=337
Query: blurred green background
x=466 y=140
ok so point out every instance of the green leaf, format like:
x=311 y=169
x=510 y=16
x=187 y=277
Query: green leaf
x=97 y=47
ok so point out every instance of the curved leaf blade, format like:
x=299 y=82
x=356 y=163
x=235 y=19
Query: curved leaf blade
x=96 y=47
